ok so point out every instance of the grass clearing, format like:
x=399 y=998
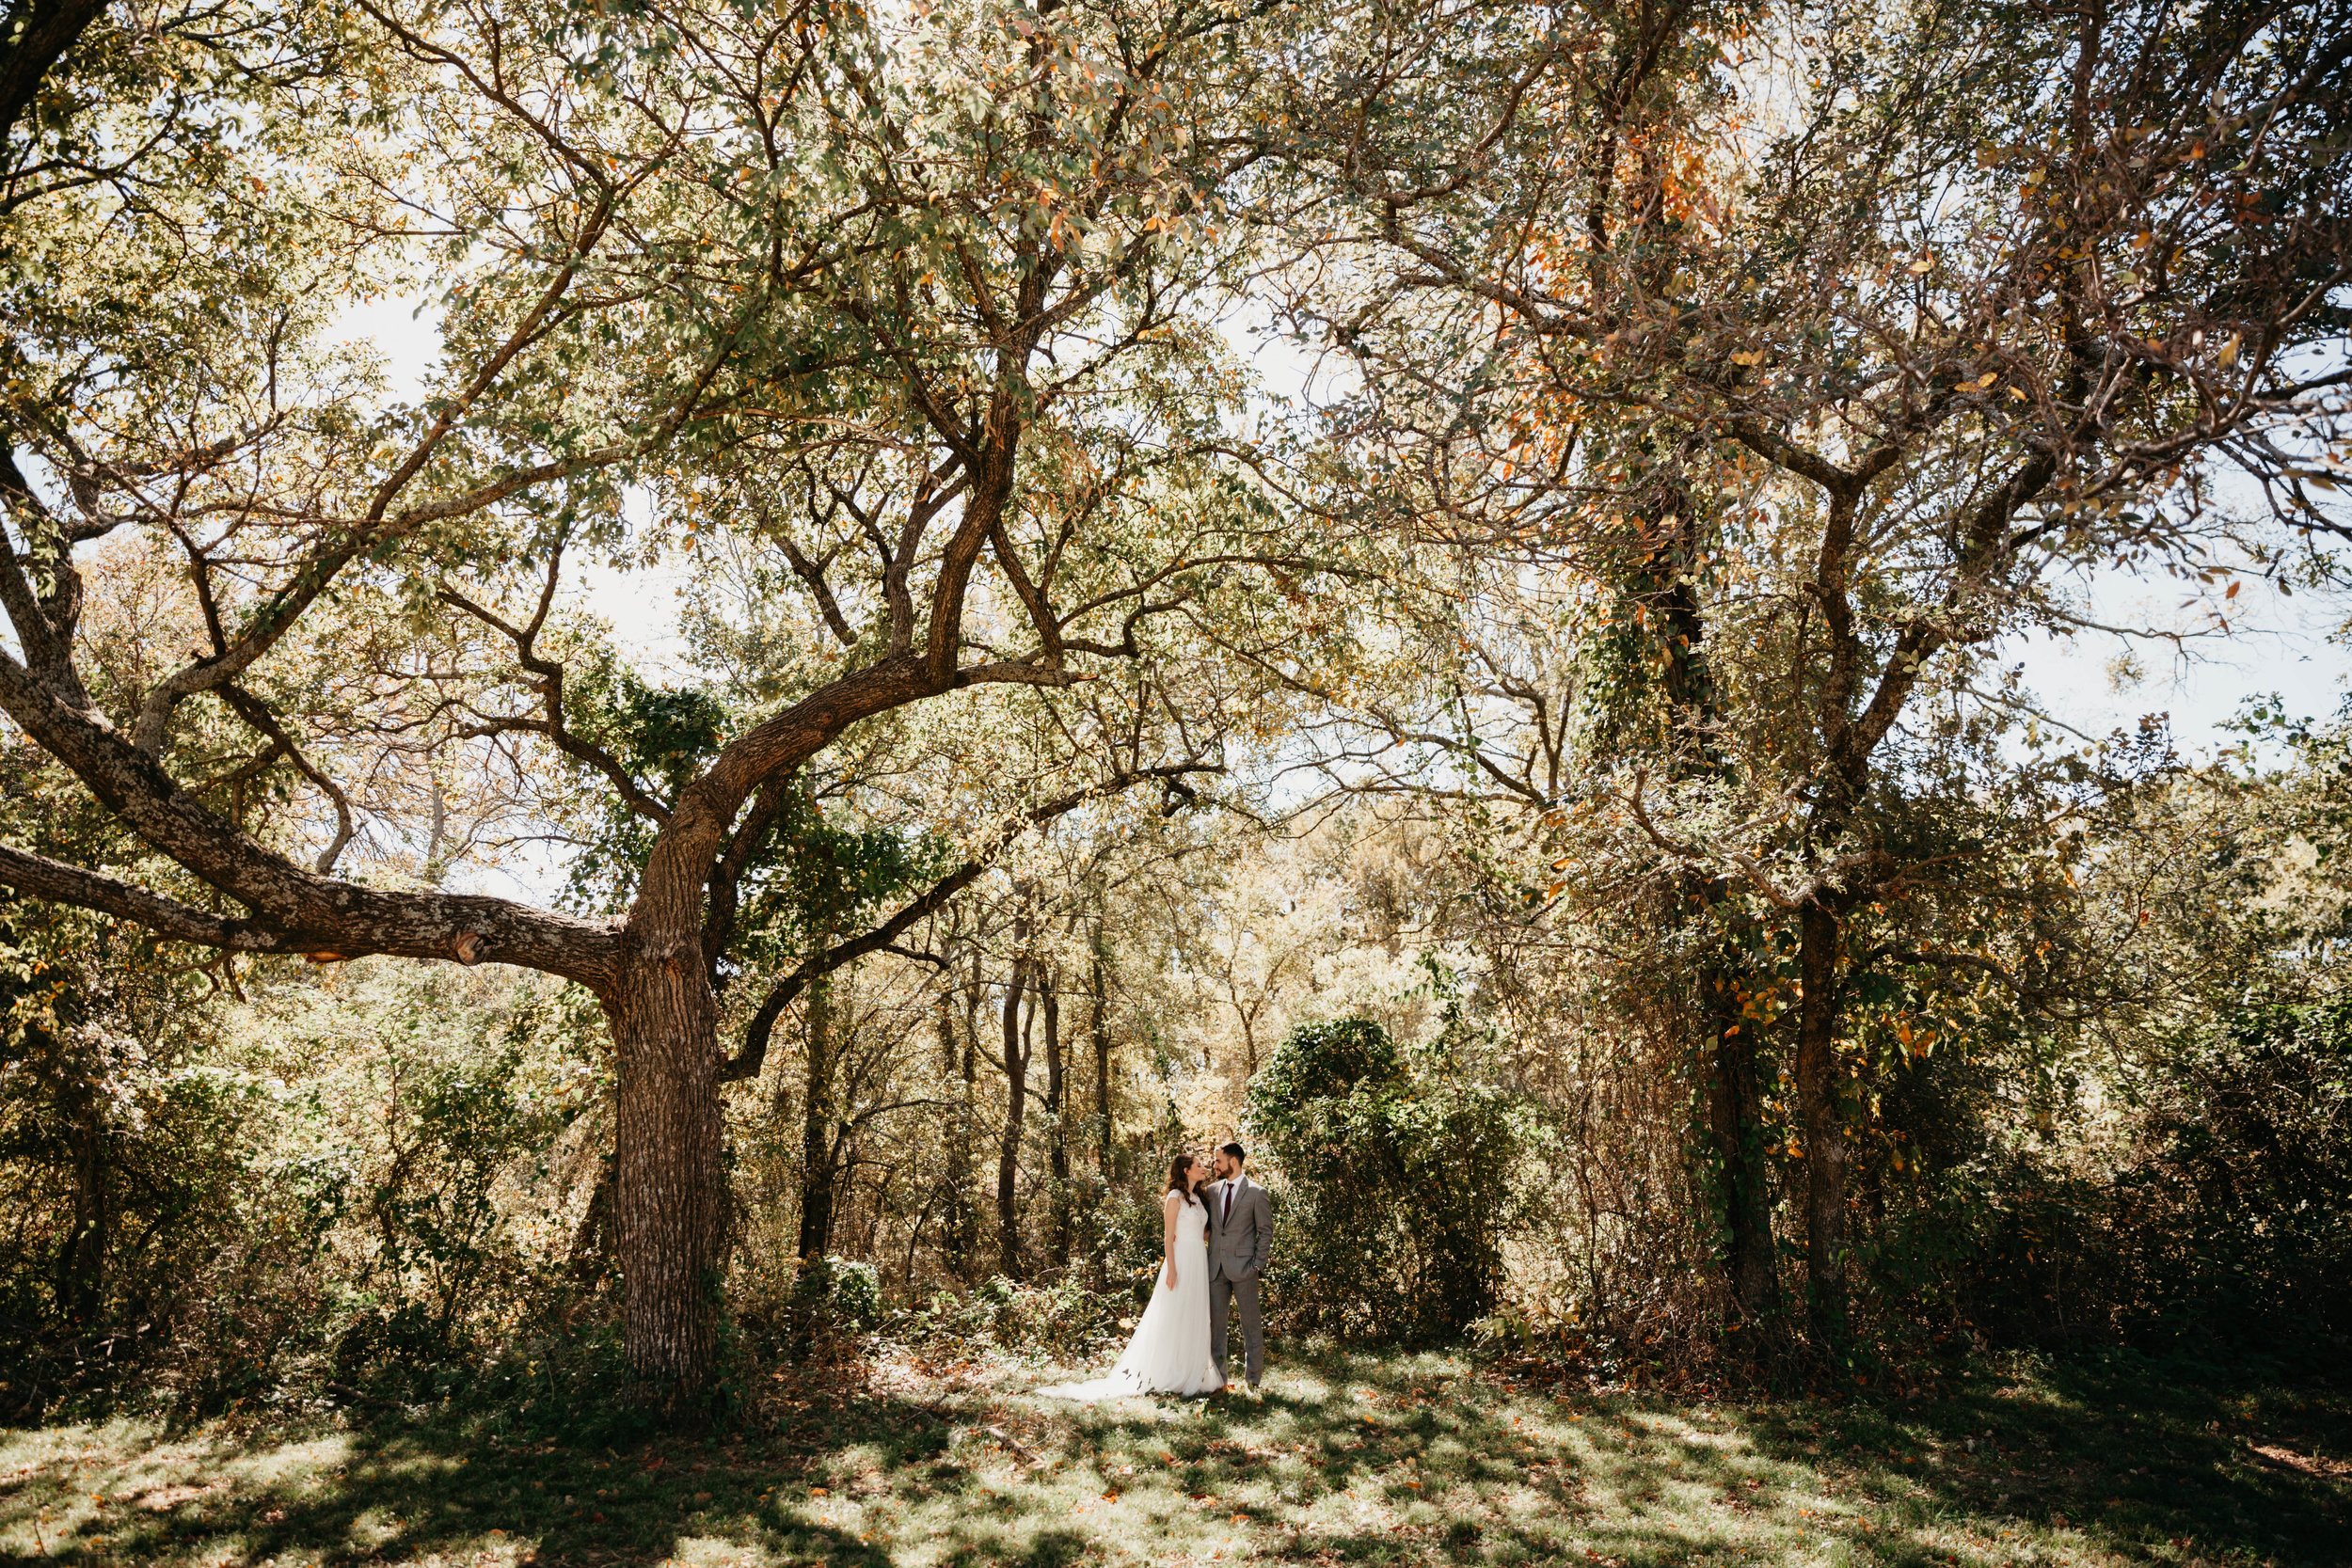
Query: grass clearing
x=1346 y=1459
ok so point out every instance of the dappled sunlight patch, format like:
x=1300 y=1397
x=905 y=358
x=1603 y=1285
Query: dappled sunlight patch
x=1420 y=1460
x=720 y=1552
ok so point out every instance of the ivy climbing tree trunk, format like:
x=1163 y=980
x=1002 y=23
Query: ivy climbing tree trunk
x=1735 y=1107
x=819 y=1117
x=1820 y=1108
x=1727 y=1051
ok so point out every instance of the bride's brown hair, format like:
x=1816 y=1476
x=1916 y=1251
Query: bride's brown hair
x=1176 y=1174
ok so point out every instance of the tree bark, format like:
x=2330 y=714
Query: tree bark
x=955 y=1222
x=1058 y=1151
x=1818 y=1101
x=967 y=1208
x=1734 y=1122
x=1099 y=1026
x=1016 y=1062
x=669 y=1187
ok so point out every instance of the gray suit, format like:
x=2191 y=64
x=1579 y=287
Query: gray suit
x=1239 y=1240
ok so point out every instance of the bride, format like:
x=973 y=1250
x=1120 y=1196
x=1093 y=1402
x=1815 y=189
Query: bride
x=1169 y=1353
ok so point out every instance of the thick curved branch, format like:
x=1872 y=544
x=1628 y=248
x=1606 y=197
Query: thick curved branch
x=38 y=35
x=747 y=1062
x=42 y=878
x=1032 y=598
x=726 y=878
x=257 y=714
x=322 y=913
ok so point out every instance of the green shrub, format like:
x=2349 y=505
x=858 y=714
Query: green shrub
x=1058 y=1318
x=843 y=1293
x=1392 y=1189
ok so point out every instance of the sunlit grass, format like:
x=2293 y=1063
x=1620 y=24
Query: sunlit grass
x=1345 y=1460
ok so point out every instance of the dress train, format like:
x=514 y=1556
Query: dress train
x=1169 y=1353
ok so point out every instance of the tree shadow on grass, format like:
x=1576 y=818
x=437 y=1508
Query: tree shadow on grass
x=1348 y=1459
x=2174 y=1460
x=1409 y=1459
x=396 y=1490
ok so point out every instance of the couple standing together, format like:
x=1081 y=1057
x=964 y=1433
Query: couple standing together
x=1214 y=1237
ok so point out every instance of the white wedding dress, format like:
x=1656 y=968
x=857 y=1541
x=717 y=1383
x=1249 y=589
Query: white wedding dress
x=1169 y=1353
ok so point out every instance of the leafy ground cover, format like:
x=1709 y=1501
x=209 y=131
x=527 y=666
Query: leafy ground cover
x=1346 y=1459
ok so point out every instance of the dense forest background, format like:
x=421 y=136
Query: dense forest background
x=1543 y=764
x=393 y=1178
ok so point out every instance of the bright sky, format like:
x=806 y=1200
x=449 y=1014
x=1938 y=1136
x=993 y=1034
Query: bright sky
x=2273 y=644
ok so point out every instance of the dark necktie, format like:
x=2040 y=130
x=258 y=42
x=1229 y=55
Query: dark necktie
x=1227 y=1217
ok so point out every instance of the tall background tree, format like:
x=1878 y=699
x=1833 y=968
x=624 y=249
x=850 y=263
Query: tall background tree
x=1825 y=348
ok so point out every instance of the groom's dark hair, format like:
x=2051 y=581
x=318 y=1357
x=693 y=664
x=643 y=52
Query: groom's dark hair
x=1240 y=1155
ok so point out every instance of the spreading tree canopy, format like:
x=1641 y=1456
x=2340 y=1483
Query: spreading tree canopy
x=913 y=310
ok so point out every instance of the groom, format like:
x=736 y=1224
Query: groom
x=1241 y=1229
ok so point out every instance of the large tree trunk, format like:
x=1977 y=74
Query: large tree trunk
x=1729 y=1055
x=1058 y=1153
x=1820 y=1104
x=1016 y=1108
x=956 y=1223
x=1099 y=1025
x=819 y=1116
x=669 y=1187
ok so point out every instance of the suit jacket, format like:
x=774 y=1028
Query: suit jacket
x=1238 y=1244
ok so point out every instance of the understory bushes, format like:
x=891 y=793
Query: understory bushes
x=1059 y=1318
x=1393 y=1197
x=377 y=1186
x=2227 y=1221
x=2238 y=1216
x=2218 y=1220
x=365 y=1179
